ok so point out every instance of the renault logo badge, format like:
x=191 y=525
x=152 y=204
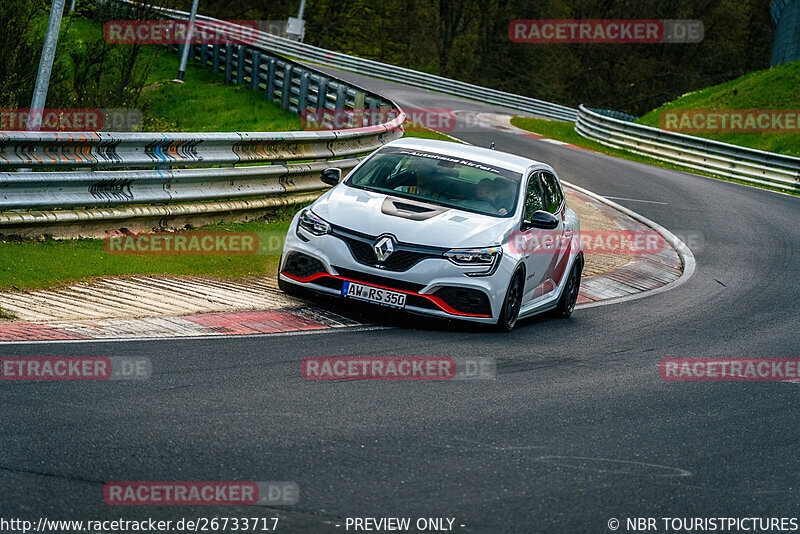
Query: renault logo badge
x=383 y=248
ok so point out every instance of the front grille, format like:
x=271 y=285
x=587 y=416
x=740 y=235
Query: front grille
x=404 y=257
x=378 y=280
x=400 y=260
x=465 y=300
x=301 y=265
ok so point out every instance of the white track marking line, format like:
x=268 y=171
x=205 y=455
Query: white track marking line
x=637 y=200
x=687 y=258
x=554 y=142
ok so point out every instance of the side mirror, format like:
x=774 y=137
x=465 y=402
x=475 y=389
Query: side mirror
x=541 y=220
x=331 y=176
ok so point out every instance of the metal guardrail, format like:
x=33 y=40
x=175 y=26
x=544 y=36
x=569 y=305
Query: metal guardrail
x=185 y=173
x=697 y=153
x=109 y=150
x=376 y=69
x=95 y=170
x=612 y=128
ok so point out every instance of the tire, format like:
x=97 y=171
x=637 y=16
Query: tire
x=511 y=304
x=569 y=296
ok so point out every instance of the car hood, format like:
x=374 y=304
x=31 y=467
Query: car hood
x=360 y=210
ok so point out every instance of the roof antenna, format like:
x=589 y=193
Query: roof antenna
x=491 y=146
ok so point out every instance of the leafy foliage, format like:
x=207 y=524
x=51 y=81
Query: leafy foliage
x=468 y=40
x=87 y=71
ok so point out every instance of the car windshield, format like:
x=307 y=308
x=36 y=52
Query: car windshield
x=438 y=179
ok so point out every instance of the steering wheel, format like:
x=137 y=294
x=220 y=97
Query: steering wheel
x=402 y=178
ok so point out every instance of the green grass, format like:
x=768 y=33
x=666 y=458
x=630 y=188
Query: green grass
x=565 y=131
x=774 y=88
x=426 y=133
x=204 y=103
x=31 y=264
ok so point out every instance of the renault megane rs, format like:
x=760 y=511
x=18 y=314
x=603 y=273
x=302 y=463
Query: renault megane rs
x=441 y=229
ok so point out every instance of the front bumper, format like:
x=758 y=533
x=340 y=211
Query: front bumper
x=433 y=286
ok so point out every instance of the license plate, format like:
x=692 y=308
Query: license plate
x=374 y=294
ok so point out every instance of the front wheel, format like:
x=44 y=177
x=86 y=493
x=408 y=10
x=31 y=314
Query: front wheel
x=566 y=304
x=511 y=304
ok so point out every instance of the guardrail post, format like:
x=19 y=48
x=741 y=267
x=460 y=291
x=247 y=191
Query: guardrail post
x=255 y=73
x=270 y=90
x=322 y=94
x=204 y=54
x=384 y=112
x=302 y=96
x=373 y=104
x=358 y=110
x=241 y=55
x=228 y=62
x=341 y=97
x=286 y=86
x=215 y=59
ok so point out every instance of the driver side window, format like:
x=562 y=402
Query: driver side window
x=534 y=198
x=552 y=192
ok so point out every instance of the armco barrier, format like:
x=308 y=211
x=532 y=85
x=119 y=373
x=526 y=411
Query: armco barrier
x=723 y=159
x=612 y=128
x=92 y=177
x=111 y=188
x=376 y=69
x=109 y=150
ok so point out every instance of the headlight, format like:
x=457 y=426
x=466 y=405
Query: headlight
x=313 y=223
x=488 y=258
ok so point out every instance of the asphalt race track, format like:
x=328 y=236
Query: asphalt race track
x=578 y=427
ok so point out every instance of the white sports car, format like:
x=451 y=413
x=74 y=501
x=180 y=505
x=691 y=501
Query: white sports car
x=442 y=229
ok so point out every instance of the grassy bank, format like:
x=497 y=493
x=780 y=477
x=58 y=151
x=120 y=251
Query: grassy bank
x=205 y=103
x=31 y=264
x=771 y=89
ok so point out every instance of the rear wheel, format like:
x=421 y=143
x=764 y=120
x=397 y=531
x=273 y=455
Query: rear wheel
x=511 y=304
x=566 y=304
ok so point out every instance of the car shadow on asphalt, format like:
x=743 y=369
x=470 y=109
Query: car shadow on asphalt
x=370 y=314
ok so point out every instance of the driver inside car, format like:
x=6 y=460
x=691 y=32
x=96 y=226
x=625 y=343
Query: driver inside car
x=425 y=186
x=496 y=193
